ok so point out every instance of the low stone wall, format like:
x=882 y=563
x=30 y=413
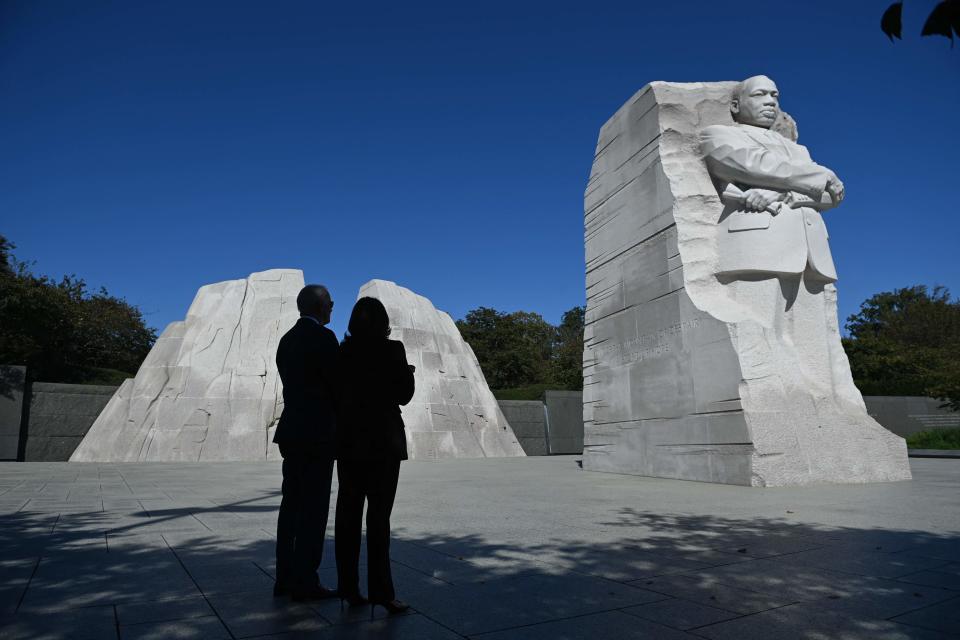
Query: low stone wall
x=529 y=424
x=564 y=421
x=60 y=416
x=553 y=426
x=907 y=415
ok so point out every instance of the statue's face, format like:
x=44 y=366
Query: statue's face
x=758 y=104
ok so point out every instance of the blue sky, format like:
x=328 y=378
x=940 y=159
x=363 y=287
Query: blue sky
x=155 y=147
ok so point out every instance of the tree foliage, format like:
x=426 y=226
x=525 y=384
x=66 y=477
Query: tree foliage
x=521 y=349
x=944 y=20
x=568 y=350
x=907 y=342
x=64 y=333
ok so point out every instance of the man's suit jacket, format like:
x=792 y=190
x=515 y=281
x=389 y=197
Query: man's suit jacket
x=376 y=381
x=750 y=242
x=307 y=361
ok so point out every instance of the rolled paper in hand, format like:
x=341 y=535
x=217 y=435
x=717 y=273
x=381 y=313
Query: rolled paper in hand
x=826 y=202
x=733 y=195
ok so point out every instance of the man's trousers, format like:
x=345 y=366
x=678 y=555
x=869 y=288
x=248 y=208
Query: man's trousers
x=302 y=522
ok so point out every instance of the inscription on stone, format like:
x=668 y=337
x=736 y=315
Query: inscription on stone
x=649 y=345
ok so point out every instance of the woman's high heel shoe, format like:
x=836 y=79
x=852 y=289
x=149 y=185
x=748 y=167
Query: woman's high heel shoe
x=355 y=600
x=393 y=607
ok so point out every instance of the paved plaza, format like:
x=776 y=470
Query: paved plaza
x=489 y=549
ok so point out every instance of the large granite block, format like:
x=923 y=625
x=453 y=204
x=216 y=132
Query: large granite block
x=683 y=378
x=452 y=414
x=209 y=388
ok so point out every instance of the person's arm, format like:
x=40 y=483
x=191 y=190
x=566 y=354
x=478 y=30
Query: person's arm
x=735 y=157
x=402 y=374
x=328 y=362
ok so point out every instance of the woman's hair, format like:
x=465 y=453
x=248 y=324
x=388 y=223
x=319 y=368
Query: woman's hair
x=368 y=320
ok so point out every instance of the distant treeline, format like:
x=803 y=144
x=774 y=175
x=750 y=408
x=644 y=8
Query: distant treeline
x=521 y=354
x=901 y=342
x=63 y=332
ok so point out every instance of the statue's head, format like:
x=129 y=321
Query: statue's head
x=756 y=101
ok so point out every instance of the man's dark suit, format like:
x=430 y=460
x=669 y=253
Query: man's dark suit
x=306 y=434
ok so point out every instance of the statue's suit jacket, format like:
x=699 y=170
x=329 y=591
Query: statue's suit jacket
x=748 y=242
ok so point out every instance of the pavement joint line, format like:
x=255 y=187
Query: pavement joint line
x=197 y=585
x=423 y=573
x=574 y=617
x=36 y=565
x=926 y=606
x=202 y=523
x=715 y=606
x=116 y=620
x=11 y=488
x=694 y=630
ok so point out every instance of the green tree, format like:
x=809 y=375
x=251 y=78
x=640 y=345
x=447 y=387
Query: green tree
x=907 y=342
x=513 y=349
x=64 y=333
x=5 y=248
x=943 y=20
x=568 y=352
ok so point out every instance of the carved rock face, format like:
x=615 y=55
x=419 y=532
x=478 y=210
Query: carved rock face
x=687 y=376
x=453 y=413
x=209 y=389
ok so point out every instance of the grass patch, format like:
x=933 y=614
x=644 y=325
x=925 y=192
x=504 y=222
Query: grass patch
x=935 y=439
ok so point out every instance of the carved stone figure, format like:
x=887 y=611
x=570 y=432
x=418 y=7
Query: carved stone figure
x=712 y=347
x=764 y=227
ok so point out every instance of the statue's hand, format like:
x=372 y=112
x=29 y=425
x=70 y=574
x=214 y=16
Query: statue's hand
x=760 y=199
x=835 y=189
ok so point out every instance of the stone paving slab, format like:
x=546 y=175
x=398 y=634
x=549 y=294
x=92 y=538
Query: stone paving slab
x=496 y=549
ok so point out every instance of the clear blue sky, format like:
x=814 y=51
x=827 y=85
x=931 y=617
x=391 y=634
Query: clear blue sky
x=153 y=147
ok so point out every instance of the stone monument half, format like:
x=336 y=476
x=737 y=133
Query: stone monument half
x=712 y=347
x=453 y=413
x=209 y=388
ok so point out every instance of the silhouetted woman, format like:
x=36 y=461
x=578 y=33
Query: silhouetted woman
x=376 y=379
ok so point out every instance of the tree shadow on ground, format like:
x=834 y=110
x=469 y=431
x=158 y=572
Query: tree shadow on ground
x=207 y=571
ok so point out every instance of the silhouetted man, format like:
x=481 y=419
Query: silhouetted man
x=307 y=361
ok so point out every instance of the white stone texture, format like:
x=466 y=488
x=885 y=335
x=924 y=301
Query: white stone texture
x=685 y=376
x=209 y=389
x=452 y=414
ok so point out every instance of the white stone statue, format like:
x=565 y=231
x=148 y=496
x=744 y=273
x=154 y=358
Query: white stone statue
x=711 y=342
x=766 y=179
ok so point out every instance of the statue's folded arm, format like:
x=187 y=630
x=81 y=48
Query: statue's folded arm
x=741 y=160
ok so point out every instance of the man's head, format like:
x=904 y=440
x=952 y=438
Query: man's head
x=756 y=101
x=314 y=301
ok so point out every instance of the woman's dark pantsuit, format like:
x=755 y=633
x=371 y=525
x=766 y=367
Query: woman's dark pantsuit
x=376 y=482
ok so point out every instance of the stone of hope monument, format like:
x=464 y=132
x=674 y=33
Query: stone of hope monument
x=712 y=348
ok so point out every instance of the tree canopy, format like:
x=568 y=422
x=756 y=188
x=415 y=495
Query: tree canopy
x=521 y=349
x=907 y=342
x=62 y=331
x=944 y=20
